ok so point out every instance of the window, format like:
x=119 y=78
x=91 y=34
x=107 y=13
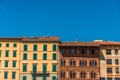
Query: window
x=34 y=56
x=83 y=74
x=0 y=53
x=102 y=78
x=54 y=67
x=116 y=78
x=25 y=47
x=5 y=75
x=44 y=68
x=54 y=78
x=82 y=63
x=44 y=78
x=62 y=62
x=83 y=51
x=34 y=78
x=44 y=47
x=54 y=56
x=72 y=74
x=117 y=70
x=0 y=44
x=63 y=51
x=116 y=51
x=6 y=53
x=25 y=56
x=24 y=78
x=92 y=52
x=54 y=47
x=109 y=61
x=44 y=56
x=108 y=51
x=6 y=63
x=62 y=74
x=109 y=70
x=116 y=61
x=34 y=47
x=24 y=68
x=109 y=78
x=93 y=63
x=13 y=75
x=72 y=52
x=14 y=53
x=13 y=63
x=7 y=44
x=72 y=62
x=14 y=45
x=34 y=68
x=93 y=75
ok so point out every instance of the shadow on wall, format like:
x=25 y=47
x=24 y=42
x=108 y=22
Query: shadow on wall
x=102 y=56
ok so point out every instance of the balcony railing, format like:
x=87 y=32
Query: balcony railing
x=40 y=74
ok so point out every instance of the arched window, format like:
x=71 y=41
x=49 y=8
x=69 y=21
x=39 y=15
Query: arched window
x=72 y=62
x=62 y=74
x=63 y=62
x=93 y=75
x=72 y=74
x=83 y=63
x=93 y=63
x=83 y=74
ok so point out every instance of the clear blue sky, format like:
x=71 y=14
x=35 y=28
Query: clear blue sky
x=84 y=20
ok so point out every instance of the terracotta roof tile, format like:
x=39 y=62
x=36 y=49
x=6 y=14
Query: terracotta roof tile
x=108 y=43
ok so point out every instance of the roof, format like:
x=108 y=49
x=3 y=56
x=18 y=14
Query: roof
x=51 y=38
x=108 y=43
x=10 y=39
x=78 y=44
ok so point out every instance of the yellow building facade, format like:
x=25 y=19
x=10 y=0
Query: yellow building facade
x=34 y=58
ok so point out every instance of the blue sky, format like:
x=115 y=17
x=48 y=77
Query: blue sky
x=84 y=20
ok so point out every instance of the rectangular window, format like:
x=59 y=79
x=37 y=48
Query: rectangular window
x=13 y=63
x=116 y=61
x=24 y=68
x=0 y=53
x=54 y=67
x=116 y=78
x=34 y=78
x=72 y=52
x=54 y=47
x=25 y=56
x=44 y=47
x=0 y=44
x=109 y=78
x=54 y=78
x=109 y=70
x=14 y=53
x=116 y=51
x=14 y=45
x=54 y=56
x=6 y=53
x=34 y=56
x=13 y=75
x=63 y=51
x=24 y=78
x=117 y=70
x=25 y=47
x=44 y=56
x=108 y=51
x=102 y=78
x=44 y=78
x=109 y=61
x=44 y=68
x=34 y=47
x=6 y=63
x=5 y=75
x=34 y=68
x=7 y=44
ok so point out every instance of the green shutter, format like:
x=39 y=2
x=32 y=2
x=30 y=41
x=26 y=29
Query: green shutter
x=6 y=53
x=25 y=56
x=0 y=53
x=44 y=47
x=34 y=68
x=13 y=75
x=54 y=67
x=24 y=78
x=44 y=68
x=7 y=44
x=24 y=67
x=34 y=78
x=34 y=56
x=0 y=44
x=14 y=53
x=6 y=63
x=54 y=78
x=44 y=56
x=54 y=47
x=35 y=48
x=14 y=45
x=44 y=78
x=14 y=63
x=54 y=56
x=5 y=75
x=25 y=47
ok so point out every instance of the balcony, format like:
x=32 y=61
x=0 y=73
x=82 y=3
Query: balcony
x=40 y=74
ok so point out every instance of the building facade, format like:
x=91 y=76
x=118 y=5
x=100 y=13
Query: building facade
x=79 y=61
